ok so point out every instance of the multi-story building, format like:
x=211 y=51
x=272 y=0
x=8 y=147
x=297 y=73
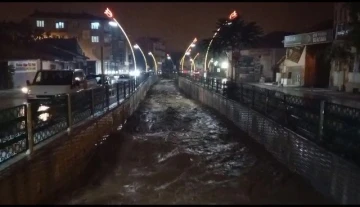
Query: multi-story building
x=154 y=45
x=93 y=34
x=344 y=74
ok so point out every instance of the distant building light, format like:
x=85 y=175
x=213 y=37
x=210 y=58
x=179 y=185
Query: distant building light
x=40 y=23
x=59 y=25
x=95 y=25
x=94 y=38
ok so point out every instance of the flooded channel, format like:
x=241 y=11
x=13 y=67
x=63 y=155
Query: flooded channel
x=173 y=151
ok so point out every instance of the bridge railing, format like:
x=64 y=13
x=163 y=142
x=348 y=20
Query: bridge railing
x=276 y=121
x=24 y=126
x=332 y=126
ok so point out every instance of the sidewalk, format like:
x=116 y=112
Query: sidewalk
x=342 y=98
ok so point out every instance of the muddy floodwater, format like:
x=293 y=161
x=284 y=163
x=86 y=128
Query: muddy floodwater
x=174 y=151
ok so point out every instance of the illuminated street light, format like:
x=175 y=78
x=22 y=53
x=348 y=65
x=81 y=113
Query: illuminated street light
x=109 y=14
x=136 y=46
x=224 y=65
x=187 y=52
x=150 y=53
x=193 y=62
x=112 y=23
x=232 y=16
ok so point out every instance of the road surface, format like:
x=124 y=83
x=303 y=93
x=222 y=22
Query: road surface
x=173 y=151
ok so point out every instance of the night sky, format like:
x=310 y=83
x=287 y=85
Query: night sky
x=179 y=23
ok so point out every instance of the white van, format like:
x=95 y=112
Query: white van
x=49 y=83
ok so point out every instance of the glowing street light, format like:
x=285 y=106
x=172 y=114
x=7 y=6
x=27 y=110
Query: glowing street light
x=187 y=52
x=136 y=46
x=232 y=16
x=150 y=53
x=115 y=23
x=193 y=62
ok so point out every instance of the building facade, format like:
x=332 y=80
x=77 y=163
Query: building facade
x=344 y=74
x=305 y=62
x=93 y=34
x=154 y=45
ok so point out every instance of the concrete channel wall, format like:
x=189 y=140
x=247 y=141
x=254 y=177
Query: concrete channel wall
x=328 y=173
x=38 y=178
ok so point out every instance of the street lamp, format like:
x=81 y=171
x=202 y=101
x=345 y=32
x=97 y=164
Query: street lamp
x=232 y=16
x=150 y=53
x=115 y=23
x=136 y=46
x=193 y=62
x=187 y=52
x=169 y=58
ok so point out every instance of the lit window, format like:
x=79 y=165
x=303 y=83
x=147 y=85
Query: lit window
x=40 y=23
x=95 y=25
x=59 y=25
x=94 y=38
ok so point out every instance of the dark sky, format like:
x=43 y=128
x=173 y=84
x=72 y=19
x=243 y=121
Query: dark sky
x=179 y=23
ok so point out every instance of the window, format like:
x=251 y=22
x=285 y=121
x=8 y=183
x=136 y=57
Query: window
x=40 y=23
x=107 y=39
x=59 y=25
x=95 y=25
x=94 y=38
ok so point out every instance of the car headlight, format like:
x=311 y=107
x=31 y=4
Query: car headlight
x=25 y=90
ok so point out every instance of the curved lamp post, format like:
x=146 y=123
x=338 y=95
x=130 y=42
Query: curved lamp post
x=169 y=58
x=116 y=23
x=150 y=53
x=232 y=16
x=187 y=52
x=136 y=46
x=193 y=61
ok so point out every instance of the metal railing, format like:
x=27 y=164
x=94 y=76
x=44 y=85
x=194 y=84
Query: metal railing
x=24 y=126
x=276 y=121
x=332 y=126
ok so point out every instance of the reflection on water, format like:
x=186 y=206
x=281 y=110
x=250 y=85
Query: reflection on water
x=172 y=151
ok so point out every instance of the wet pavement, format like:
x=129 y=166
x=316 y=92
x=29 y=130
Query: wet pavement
x=173 y=151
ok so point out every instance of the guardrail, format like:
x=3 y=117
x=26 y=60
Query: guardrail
x=332 y=126
x=267 y=117
x=24 y=126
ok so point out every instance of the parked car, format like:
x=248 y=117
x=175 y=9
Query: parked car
x=49 y=83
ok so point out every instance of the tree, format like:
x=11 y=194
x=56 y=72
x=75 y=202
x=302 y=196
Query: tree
x=236 y=34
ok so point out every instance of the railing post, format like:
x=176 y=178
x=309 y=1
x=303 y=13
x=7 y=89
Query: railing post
x=266 y=100
x=253 y=97
x=217 y=86
x=107 y=96
x=241 y=93
x=321 y=120
x=30 y=132
x=124 y=89
x=92 y=109
x=69 y=115
x=212 y=83
x=129 y=86
x=117 y=93
x=286 y=112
